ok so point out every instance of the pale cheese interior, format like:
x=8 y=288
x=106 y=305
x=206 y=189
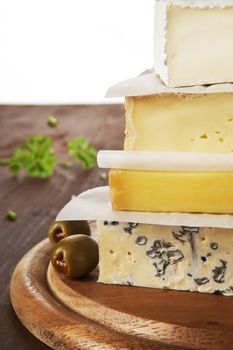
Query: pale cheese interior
x=199 y=46
x=183 y=258
x=184 y=122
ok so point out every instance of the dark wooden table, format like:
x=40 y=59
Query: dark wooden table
x=37 y=201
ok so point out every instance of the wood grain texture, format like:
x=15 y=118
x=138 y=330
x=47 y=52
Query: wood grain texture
x=142 y=318
x=38 y=201
x=184 y=319
x=56 y=325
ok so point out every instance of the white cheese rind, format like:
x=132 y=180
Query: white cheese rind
x=160 y=40
x=165 y=161
x=193 y=42
x=168 y=257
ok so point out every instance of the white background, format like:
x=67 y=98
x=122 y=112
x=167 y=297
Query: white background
x=71 y=51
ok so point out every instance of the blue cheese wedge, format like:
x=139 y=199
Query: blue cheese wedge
x=166 y=257
x=193 y=41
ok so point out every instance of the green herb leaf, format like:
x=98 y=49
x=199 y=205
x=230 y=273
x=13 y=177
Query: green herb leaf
x=36 y=157
x=82 y=152
x=52 y=121
x=11 y=215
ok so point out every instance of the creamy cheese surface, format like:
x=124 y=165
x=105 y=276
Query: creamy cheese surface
x=167 y=191
x=168 y=257
x=193 y=42
x=180 y=123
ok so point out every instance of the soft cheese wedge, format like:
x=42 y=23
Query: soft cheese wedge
x=169 y=257
x=193 y=41
x=164 y=191
x=180 y=123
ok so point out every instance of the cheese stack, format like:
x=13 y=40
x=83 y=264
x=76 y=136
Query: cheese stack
x=178 y=157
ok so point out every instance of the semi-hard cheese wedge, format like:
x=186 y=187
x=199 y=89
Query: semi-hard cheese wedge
x=180 y=123
x=193 y=41
x=168 y=257
x=166 y=191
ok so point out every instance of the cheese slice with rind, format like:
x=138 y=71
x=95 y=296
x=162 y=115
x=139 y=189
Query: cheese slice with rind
x=193 y=41
x=180 y=123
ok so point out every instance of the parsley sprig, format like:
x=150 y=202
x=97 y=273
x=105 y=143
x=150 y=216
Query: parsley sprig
x=82 y=152
x=36 y=157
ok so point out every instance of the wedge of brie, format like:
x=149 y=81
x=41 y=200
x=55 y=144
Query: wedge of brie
x=193 y=41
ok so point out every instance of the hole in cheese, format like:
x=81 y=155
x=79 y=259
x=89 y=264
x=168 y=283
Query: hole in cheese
x=204 y=136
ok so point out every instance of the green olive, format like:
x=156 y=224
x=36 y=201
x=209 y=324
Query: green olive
x=60 y=229
x=75 y=256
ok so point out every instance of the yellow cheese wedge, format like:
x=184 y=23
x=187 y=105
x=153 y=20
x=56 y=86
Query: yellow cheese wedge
x=194 y=192
x=180 y=123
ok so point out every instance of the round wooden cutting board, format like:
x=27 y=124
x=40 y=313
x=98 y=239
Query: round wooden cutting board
x=84 y=314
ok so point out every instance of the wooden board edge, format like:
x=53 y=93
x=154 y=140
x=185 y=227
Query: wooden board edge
x=166 y=333
x=51 y=322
